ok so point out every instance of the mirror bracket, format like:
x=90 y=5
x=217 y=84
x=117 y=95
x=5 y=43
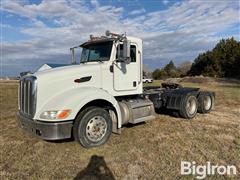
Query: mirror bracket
x=73 y=56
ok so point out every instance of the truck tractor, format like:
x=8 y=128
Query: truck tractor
x=90 y=99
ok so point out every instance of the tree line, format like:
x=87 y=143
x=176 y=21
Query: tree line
x=170 y=70
x=222 y=61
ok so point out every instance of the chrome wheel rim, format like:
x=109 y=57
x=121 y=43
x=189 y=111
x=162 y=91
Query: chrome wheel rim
x=191 y=106
x=96 y=128
x=207 y=102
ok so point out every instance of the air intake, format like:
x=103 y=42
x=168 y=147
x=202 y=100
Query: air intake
x=27 y=95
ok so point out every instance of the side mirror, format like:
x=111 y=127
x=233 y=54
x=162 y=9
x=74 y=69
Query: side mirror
x=126 y=51
x=73 y=61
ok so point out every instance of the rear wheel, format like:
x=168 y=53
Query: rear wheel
x=206 y=103
x=189 y=107
x=92 y=127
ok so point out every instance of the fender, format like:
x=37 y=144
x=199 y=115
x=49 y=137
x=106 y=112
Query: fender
x=75 y=99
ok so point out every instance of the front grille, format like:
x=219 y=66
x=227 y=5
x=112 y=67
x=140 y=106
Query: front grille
x=27 y=95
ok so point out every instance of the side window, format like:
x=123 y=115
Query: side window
x=132 y=53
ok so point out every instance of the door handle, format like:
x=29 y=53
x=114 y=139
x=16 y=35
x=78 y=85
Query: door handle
x=134 y=83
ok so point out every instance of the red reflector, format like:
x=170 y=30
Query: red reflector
x=77 y=80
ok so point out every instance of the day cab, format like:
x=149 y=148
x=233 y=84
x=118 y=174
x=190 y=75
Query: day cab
x=90 y=99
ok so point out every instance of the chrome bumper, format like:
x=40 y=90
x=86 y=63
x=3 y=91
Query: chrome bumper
x=46 y=130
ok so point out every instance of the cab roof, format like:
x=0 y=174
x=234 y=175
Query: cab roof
x=106 y=39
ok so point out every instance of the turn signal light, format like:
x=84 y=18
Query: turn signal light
x=63 y=114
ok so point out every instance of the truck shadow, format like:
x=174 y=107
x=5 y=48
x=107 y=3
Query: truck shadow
x=168 y=112
x=96 y=169
x=129 y=125
x=71 y=139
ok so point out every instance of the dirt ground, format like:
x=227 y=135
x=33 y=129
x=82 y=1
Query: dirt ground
x=151 y=150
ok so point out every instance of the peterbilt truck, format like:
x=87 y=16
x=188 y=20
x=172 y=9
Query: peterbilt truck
x=91 y=99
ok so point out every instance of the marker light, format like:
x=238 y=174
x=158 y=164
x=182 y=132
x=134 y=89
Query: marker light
x=62 y=114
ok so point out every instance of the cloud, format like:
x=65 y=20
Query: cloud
x=7 y=26
x=137 y=12
x=165 y=2
x=177 y=33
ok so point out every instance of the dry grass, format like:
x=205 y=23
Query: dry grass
x=151 y=150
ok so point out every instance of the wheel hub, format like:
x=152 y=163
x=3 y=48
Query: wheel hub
x=191 y=106
x=207 y=102
x=96 y=128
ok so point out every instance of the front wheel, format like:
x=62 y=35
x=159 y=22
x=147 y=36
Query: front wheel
x=92 y=127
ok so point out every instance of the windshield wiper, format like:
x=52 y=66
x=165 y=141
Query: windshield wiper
x=99 y=60
x=95 y=60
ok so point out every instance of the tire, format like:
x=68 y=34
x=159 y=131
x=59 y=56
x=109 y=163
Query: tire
x=92 y=127
x=206 y=103
x=189 y=107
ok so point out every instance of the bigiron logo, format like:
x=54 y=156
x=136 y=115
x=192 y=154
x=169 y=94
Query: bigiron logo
x=201 y=171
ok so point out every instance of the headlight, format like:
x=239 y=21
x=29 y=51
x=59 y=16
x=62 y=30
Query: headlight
x=62 y=114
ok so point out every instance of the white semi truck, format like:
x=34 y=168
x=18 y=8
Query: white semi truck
x=92 y=99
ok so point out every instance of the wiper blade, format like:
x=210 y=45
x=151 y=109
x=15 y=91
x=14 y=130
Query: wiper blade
x=95 y=60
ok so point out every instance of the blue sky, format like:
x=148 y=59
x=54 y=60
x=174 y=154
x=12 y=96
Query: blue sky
x=37 y=32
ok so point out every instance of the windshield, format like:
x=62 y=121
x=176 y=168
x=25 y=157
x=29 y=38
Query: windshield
x=96 y=52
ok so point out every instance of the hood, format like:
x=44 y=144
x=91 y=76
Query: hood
x=60 y=71
x=54 y=81
x=50 y=66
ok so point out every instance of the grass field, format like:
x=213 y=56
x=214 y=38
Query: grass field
x=151 y=150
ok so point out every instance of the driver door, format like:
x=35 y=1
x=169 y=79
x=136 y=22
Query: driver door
x=126 y=76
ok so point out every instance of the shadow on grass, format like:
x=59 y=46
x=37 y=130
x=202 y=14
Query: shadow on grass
x=129 y=125
x=169 y=112
x=96 y=169
x=61 y=140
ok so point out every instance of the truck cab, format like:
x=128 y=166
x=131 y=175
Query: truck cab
x=90 y=99
x=116 y=76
